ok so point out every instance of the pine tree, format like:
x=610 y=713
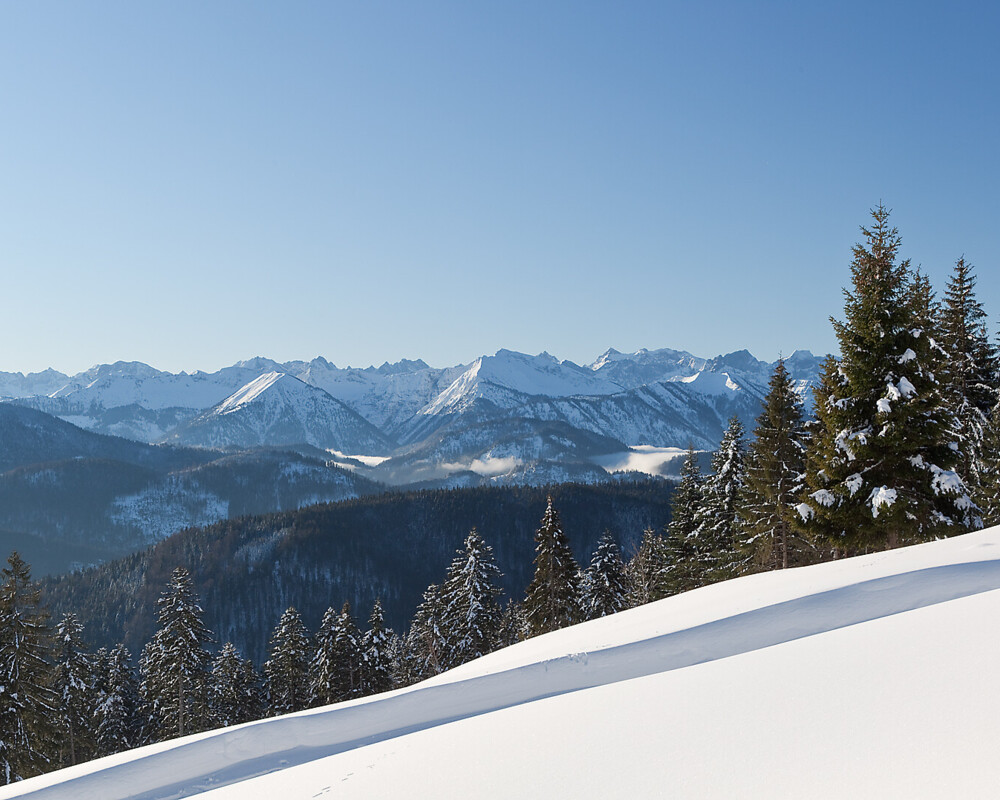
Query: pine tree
x=880 y=472
x=174 y=665
x=376 y=654
x=234 y=695
x=682 y=548
x=716 y=516
x=75 y=692
x=286 y=672
x=424 y=646
x=471 y=615
x=551 y=601
x=604 y=589
x=768 y=521
x=971 y=378
x=117 y=716
x=513 y=624
x=989 y=487
x=27 y=703
x=648 y=570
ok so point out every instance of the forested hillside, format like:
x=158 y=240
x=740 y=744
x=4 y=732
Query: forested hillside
x=249 y=570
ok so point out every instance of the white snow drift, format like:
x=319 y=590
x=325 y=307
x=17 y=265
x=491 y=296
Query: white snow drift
x=868 y=677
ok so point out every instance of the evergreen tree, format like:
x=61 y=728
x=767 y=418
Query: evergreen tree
x=335 y=673
x=768 y=521
x=716 y=516
x=880 y=472
x=234 y=693
x=971 y=377
x=471 y=614
x=648 y=570
x=174 y=665
x=27 y=703
x=551 y=602
x=377 y=647
x=75 y=692
x=989 y=458
x=286 y=672
x=605 y=588
x=682 y=548
x=117 y=716
x=513 y=624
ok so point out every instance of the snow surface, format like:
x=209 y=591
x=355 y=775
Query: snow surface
x=866 y=677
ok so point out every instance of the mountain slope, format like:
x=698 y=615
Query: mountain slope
x=739 y=689
x=278 y=409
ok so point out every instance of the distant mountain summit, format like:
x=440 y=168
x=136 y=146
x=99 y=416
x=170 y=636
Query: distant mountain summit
x=278 y=409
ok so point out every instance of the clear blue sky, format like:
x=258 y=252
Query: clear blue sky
x=191 y=183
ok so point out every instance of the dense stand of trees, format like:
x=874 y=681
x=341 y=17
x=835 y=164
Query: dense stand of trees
x=904 y=447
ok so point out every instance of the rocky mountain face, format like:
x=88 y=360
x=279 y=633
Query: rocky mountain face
x=485 y=412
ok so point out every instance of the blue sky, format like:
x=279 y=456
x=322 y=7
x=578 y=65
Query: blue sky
x=190 y=183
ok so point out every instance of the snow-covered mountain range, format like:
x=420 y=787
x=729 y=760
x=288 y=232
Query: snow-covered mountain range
x=864 y=677
x=535 y=416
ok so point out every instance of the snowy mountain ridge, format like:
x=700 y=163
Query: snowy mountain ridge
x=887 y=658
x=651 y=398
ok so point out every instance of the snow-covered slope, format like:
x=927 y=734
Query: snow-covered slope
x=868 y=677
x=279 y=409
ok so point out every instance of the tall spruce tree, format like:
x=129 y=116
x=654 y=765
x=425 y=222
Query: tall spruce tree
x=552 y=596
x=376 y=654
x=27 y=702
x=716 y=516
x=75 y=692
x=286 y=672
x=604 y=589
x=174 y=664
x=234 y=694
x=768 y=522
x=471 y=614
x=648 y=571
x=971 y=377
x=117 y=718
x=684 y=568
x=880 y=472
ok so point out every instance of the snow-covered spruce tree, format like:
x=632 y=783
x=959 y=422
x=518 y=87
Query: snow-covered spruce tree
x=716 y=533
x=471 y=614
x=286 y=672
x=880 y=467
x=683 y=551
x=513 y=624
x=423 y=650
x=971 y=377
x=174 y=664
x=27 y=702
x=648 y=570
x=604 y=589
x=75 y=693
x=768 y=535
x=117 y=721
x=989 y=486
x=377 y=648
x=552 y=596
x=234 y=694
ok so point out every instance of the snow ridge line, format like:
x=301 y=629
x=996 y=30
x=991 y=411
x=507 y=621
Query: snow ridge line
x=209 y=761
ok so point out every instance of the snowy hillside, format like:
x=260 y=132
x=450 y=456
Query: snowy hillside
x=868 y=677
